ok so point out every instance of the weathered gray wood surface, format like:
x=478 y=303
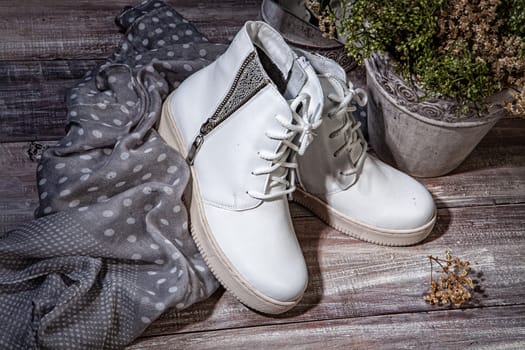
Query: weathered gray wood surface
x=77 y=34
x=359 y=295
x=493 y=174
x=85 y=29
x=487 y=328
x=32 y=97
x=349 y=278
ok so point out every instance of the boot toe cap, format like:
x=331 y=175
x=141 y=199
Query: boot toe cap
x=386 y=199
x=261 y=248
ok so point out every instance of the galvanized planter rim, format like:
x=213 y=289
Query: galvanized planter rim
x=318 y=42
x=484 y=119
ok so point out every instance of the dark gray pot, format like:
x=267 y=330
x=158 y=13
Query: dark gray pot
x=424 y=139
x=303 y=35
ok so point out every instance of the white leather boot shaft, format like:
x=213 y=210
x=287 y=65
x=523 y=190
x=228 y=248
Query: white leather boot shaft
x=241 y=135
x=350 y=189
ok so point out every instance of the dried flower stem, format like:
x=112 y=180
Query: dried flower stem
x=466 y=50
x=326 y=22
x=454 y=286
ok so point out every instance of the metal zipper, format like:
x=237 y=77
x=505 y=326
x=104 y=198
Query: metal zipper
x=216 y=118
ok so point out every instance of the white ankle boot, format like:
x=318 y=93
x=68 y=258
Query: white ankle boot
x=351 y=190
x=240 y=135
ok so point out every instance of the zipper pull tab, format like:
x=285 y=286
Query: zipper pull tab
x=194 y=148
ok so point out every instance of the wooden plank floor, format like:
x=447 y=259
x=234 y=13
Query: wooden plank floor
x=359 y=295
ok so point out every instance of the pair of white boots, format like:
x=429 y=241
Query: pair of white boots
x=255 y=123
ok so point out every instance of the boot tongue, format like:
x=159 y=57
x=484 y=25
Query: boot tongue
x=302 y=79
x=355 y=152
x=312 y=87
x=296 y=79
x=290 y=75
x=334 y=86
x=331 y=86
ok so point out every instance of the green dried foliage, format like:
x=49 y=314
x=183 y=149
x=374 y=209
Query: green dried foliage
x=462 y=49
x=403 y=28
x=514 y=13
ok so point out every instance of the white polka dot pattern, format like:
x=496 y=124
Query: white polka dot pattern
x=110 y=208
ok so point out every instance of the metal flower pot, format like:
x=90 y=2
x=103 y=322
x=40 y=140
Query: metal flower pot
x=424 y=139
x=299 y=33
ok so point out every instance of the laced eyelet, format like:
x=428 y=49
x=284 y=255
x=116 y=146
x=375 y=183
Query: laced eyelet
x=350 y=129
x=299 y=134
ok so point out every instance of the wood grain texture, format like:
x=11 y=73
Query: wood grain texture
x=493 y=174
x=32 y=97
x=488 y=328
x=85 y=29
x=498 y=159
x=359 y=295
x=18 y=191
x=348 y=278
x=76 y=37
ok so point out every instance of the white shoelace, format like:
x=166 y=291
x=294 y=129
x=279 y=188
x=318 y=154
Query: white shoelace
x=285 y=157
x=344 y=110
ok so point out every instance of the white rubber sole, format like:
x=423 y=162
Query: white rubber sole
x=361 y=230
x=214 y=257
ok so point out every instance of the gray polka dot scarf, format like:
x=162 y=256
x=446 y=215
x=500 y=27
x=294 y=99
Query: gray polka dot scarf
x=110 y=248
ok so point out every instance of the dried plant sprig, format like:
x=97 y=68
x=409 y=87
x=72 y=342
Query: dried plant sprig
x=518 y=106
x=453 y=284
x=467 y=50
x=326 y=22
